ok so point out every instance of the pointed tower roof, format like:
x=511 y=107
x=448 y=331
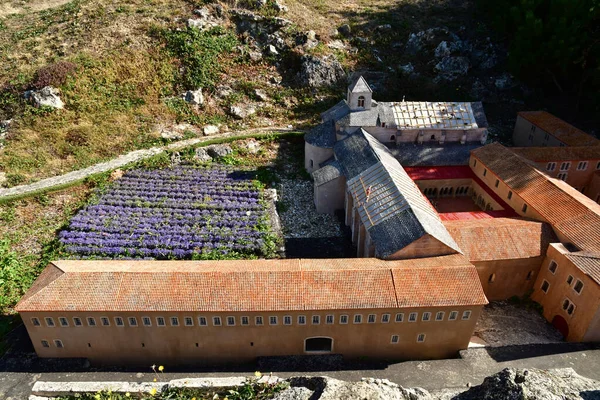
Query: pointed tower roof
x=360 y=86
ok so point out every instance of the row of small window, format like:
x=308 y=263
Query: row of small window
x=581 y=166
x=578 y=287
x=446 y=191
x=510 y=193
x=58 y=343
x=258 y=320
x=492 y=277
x=396 y=338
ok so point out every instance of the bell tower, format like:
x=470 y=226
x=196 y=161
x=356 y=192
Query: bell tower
x=360 y=95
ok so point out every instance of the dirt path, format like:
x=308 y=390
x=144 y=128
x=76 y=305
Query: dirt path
x=17 y=7
x=134 y=156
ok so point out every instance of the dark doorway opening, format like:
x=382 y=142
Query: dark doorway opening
x=318 y=344
x=561 y=325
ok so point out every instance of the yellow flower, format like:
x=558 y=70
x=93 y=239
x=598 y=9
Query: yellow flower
x=257 y=374
x=153 y=391
x=127 y=394
x=97 y=396
x=161 y=368
x=154 y=379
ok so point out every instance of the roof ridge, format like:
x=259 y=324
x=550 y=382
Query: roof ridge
x=49 y=275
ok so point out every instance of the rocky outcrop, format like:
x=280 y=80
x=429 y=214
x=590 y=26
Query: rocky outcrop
x=318 y=72
x=45 y=97
x=242 y=111
x=194 y=97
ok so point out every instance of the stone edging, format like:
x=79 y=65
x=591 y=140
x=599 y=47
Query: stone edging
x=123 y=160
x=48 y=390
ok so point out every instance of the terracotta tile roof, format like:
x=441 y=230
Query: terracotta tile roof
x=501 y=238
x=560 y=129
x=580 y=153
x=568 y=211
x=442 y=172
x=252 y=285
x=588 y=263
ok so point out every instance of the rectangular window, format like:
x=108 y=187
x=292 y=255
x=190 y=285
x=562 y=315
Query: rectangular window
x=497 y=183
x=329 y=319
x=35 y=321
x=202 y=321
x=399 y=317
x=385 y=318
x=570 y=280
x=258 y=320
x=45 y=343
x=532 y=128
x=189 y=321
x=421 y=338
x=578 y=286
x=146 y=321
x=91 y=321
x=174 y=321
x=484 y=172
x=160 y=321
x=58 y=343
x=287 y=320
x=553 y=266
x=474 y=163
x=395 y=339
x=412 y=317
x=343 y=319
x=272 y=320
x=357 y=318
x=230 y=321
x=453 y=315
x=551 y=166
x=466 y=314
x=582 y=166
x=77 y=321
x=119 y=321
x=217 y=321
x=426 y=316
x=372 y=318
x=63 y=321
x=598 y=165
x=105 y=321
x=245 y=321
x=565 y=166
x=545 y=286
x=510 y=195
x=562 y=176
x=439 y=316
x=301 y=320
x=133 y=321
x=316 y=320
x=524 y=209
x=546 y=136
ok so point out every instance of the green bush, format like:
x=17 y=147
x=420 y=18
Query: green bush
x=199 y=51
x=13 y=279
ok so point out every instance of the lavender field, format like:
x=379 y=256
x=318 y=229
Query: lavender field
x=184 y=212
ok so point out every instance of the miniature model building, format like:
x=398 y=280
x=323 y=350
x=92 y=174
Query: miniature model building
x=184 y=312
x=512 y=220
x=540 y=128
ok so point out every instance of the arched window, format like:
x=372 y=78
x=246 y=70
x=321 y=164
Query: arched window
x=318 y=345
x=392 y=138
x=432 y=137
x=361 y=101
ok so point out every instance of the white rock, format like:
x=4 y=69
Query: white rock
x=255 y=56
x=272 y=50
x=210 y=130
x=337 y=45
x=203 y=12
x=261 y=94
x=47 y=96
x=242 y=111
x=194 y=97
x=2 y=178
x=253 y=146
x=202 y=155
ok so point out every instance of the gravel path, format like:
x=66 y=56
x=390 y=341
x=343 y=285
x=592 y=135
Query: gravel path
x=121 y=161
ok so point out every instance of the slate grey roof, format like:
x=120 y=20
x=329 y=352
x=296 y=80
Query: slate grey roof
x=336 y=112
x=390 y=205
x=423 y=155
x=588 y=263
x=479 y=114
x=380 y=112
x=330 y=171
x=322 y=135
x=360 y=85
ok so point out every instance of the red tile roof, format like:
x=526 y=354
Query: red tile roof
x=501 y=238
x=254 y=285
x=570 y=213
x=582 y=153
x=560 y=129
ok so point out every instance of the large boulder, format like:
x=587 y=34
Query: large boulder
x=45 y=97
x=450 y=68
x=218 y=150
x=194 y=97
x=318 y=72
x=534 y=384
x=242 y=111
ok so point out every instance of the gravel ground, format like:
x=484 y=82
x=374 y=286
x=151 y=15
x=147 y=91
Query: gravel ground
x=504 y=324
x=298 y=214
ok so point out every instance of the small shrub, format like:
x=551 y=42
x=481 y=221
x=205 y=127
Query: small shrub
x=54 y=74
